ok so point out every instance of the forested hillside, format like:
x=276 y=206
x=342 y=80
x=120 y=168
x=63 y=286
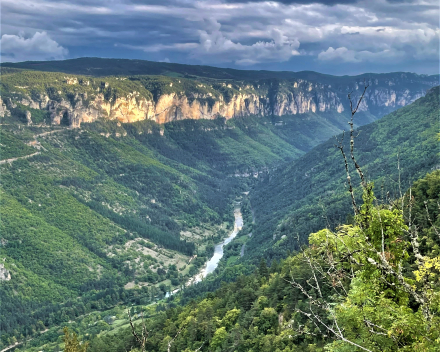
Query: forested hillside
x=310 y=193
x=112 y=213
x=341 y=294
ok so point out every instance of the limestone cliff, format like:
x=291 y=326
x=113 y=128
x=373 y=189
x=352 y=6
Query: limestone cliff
x=77 y=100
x=125 y=109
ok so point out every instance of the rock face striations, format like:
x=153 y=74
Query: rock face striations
x=81 y=109
x=75 y=100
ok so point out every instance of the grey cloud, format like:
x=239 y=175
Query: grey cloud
x=231 y=33
x=215 y=45
x=38 y=47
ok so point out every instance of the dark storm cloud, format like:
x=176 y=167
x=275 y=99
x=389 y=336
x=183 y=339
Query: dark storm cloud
x=286 y=34
x=323 y=2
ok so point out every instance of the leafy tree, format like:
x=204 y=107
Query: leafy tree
x=71 y=343
x=218 y=338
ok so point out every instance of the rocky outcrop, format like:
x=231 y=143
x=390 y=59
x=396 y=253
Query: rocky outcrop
x=3 y=109
x=82 y=109
x=10 y=104
x=28 y=116
x=271 y=98
x=174 y=107
x=5 y=275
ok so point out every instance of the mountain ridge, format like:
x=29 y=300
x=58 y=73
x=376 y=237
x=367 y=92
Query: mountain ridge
x=115 y=68
x=176 y=95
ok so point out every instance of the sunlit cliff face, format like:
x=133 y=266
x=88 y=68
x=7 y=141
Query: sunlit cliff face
x=270 y=98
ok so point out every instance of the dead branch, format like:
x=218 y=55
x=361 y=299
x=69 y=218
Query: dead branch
x=200 y=347
x=142 y=340
x=399 y=181
x=340 y=146
x=353 y=112
x=172 y=340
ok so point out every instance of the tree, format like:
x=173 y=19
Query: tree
x=219 y=337
x=262 y=269
x=71 y=343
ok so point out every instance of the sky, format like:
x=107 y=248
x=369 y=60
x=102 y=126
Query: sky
x=329 y=36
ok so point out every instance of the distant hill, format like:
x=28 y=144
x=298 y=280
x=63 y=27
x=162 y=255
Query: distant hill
x=125 y=67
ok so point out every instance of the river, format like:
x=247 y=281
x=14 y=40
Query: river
x=212 y=263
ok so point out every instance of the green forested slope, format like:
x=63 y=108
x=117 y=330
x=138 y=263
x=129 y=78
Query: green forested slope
x=295 y=305
x=13 y=147
x=311 y=192
x=115 y=204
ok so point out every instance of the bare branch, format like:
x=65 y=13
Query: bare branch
x=142 y=340
x=200 y=347
x=353 y=112
x=399 y=181
x=340 y=146
x=172 y=340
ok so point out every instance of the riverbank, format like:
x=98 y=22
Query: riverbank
x=212 y=263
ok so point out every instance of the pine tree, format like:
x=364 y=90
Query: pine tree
x=263 y=270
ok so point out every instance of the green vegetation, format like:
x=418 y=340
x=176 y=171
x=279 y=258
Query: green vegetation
x=311 y=192
x=111 y=215
x=12 y=147
x=370 y=278
x=115 y=205
x=57 y=86
x=71 y=343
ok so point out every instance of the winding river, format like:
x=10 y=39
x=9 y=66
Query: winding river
x=212 y=263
